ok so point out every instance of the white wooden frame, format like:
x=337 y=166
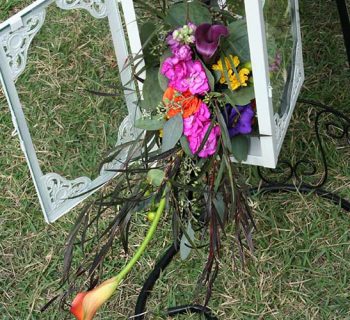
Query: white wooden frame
x=58 y=195
x=264 y=150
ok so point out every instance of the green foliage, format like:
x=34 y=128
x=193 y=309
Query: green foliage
x=151 y=124
x=240 y=97
x=155 y=177
x=187 y=242
x=240 y=147
x=163 y=81
x=152 y=92
x=181 y=13
x=172 y=132
x=237 y=42
x=185 y=146
x=149 y=40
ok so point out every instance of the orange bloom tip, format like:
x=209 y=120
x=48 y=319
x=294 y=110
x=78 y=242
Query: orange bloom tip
x=77 y=306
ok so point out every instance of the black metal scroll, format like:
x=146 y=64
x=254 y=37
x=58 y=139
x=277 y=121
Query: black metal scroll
x=345 y=24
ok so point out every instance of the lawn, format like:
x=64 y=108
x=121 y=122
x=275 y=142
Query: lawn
x=300 y=267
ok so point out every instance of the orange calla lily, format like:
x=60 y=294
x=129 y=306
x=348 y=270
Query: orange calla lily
x=86 y=304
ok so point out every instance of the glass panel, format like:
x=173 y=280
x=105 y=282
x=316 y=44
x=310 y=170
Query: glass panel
x=281 y=37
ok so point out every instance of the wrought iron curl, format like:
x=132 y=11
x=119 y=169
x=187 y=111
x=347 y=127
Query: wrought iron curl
x=299 y=171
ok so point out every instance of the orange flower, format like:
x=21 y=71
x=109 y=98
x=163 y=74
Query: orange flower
x=86 y=304
x=176 y=102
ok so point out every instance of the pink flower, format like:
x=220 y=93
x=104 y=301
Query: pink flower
x=210 y=145
x=183 y=52
x=189 y=75
x=195 y=128
x=198 y=81
x=174 y=69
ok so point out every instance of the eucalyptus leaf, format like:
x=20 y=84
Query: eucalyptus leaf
x=150 y=124
x=196 y=12
x=152 y=92
x=210 y=77
x=185 y=146
x=224 y=132
x=185 y=243
x=163 y=82
x=148 y=36
x=240 y=147
x=240 y=97
x=237 y=41
x=155 y=177
x=220 y=205
x=172 y=132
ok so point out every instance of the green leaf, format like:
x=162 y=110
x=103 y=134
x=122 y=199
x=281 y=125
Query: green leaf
x=152 y=92
x=155 y=177
x=220 y=205
x=197 y=13
x=185 y=146
x=210 y=77
x=148 y=36
x=186 y=240
x=163 y=81
x=240 y=147
x=240 y=97
x=172 y=132
x=224 y=132
x=237 y=41
x=150 y=124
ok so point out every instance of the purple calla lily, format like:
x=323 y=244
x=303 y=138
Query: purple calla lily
x=208 y=38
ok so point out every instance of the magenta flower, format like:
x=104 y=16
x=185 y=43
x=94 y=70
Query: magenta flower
x=185 y=75
x=208 y=39
x=195 y=128
x=174 y=69
x=197 y=80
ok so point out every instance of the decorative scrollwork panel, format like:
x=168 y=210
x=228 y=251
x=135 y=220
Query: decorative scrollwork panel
x=16 y=42
x=97 y=8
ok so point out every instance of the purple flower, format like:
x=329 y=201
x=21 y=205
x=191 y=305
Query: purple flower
x=172 y=43
x=239 y=119
x=182 y=52
x=276 y=64
x=208 y=39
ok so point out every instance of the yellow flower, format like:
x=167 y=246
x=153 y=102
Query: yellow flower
x=243 y=78
x=219 y=67
x=234 y=82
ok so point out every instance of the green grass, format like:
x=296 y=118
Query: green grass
x=300 y=268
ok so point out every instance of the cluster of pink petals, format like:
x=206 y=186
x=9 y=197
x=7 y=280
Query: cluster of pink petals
x=195 y=129
x=184 y=73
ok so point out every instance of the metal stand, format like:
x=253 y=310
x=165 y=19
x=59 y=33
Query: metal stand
x=308 y=176
x=345 y=24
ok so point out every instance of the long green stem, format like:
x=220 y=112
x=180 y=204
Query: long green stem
x=145 y=242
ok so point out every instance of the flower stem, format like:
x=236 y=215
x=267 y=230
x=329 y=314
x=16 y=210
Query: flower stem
x=145 y=242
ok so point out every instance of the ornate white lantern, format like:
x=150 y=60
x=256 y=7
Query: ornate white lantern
x=276 y=57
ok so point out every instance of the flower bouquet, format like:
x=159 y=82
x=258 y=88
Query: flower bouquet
x=197 y=108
